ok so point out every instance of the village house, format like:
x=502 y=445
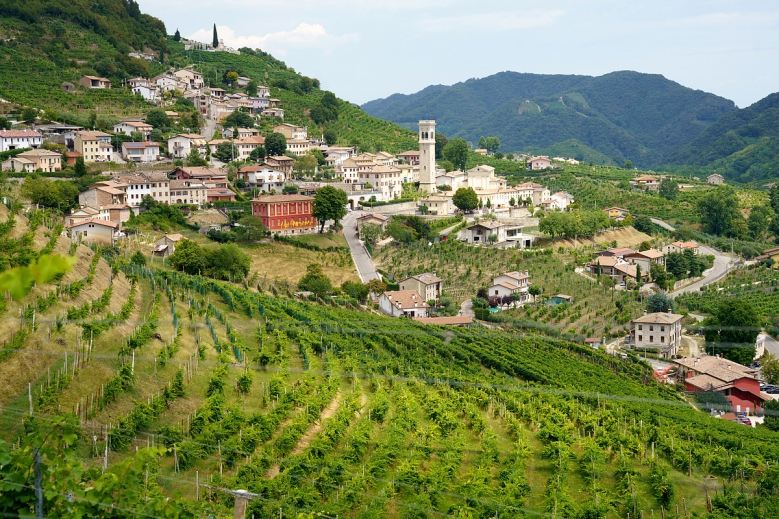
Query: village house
x=657 y=331
x=716 y=179
x=242 y=81
x=188 y=191
x=98 y=196
x=770 y=254
x=218 y=111
x=428 y=285
x=559 y=201
x=280 y=163
x=537 y=163
x=479 y=233
x=148 y=183
x=181 y=145
x=34 y=160
x=617 y=213
x=212 y=177
x=193 y=79
x=383 y=178
x=140 y=151
x=128 y=127
x=681 y=246
x=18 y=139
x=220 y=194
x=616 y=267
x=511 y=283
x=645 y=182
x=617 y=252
x=285 y=214
x=71 y=157
x=453 y=179
x=374 y=219
x=438 y=205
x=273 y=112
x=291 y=131
x=298 y=147
x=739 y=384
x=94 y=146
x=410 y=157
x=148 y=92
x=403 y=303
x=118 y=213
x=94 y=82
x=263 y=178
x=94 y=231
x=645 y=259
x=166 y=245
x=168 y=83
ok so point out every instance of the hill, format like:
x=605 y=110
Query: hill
x=624 y=115
x=43 y=44
x=742 y=145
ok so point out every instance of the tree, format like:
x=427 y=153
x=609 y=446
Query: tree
x=239 y=119
x=188 y=257
x=194 y=159
x=482 y=143
x=440 y=144
x=643 y=224
x=377 y=286
x=29 y=114
x=59 y=194
x=535 y=291
x=644 y=245
x=177 y=35
x=157 y=118
x=276 y=144
x=138 y=258
x=215 y=43
x=659 y=302
x=232 y=77
x=512 y=202
x=456 y=152
x=465 y=199
x=371 y=232
x=732 y=330
x=492 y=144
x=669 y=189
x=769 y=368
x=251 y=88
x=628 y=164
x=5 y=124
x=659 y=275
x=492 y=238
x=80 y=167
x=358 y=291
x=137 y=136
x=771 y=421
x=330 y=137
x=718 y=210
x=258 y=154
x=289 y=190
x=329 y=204
x=315 y=281
x=250 y=229
x=226 y=151
x=306 y=165
x=676 y=263
x=759 y=220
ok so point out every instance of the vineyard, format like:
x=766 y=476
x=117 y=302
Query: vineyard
x=326 y=409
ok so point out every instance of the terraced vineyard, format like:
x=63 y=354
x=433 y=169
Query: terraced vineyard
x=322 y=409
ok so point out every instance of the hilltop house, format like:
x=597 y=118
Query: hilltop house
x=645 y=182
x=291 y=131
x=403 y=303
x=617 y=213
x=536 y=163
x=657 y=331
x=645 y=259
x=716 y=179
x=739 y=384
x=616 y=267
x=166 y=245
x=681 y=246
x=263 y=178
x=428 y=285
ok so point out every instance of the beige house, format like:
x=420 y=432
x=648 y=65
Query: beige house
x=428 y=285
x=93 y=146
x=100 y=195
x=189 y=191
x=298 y=147
x=94 y=82
x=18 y=165
x=166 y=245
x=403 y=303
x=94 y=231
x=514 y=283
x=290 y=131
x=33 y=160
x=716 y=178
x=373 y=218
x=438 y=205
x=657 y=331
x=645 y=259
x=536 y=163
x=681 y=246
x=478 y=234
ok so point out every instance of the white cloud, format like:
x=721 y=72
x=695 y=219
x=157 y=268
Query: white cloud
x=499 y=21
x=728 y=19
x=304 y=36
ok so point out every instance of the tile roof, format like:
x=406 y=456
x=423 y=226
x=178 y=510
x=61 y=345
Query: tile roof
x=427 y=278
x=377 y=216
x=105 y=223
x=659 y=318
x=650 y=253
x=13 y=134
x=141 y=145
x=492 y=224
x=685 y=244
x=606 y=261
x=282 y=198
x=403 y=299
x=39 y=153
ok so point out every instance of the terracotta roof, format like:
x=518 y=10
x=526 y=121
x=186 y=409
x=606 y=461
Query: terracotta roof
x=645 y=178
x=282 y=198
x=590 y=340
x=39 y=153
x=606 y=261
x=174 y=237
x=136 y=124
x=685 y=244
x=141 y=144
x=411 y=153
x=377 y=216
x=202 y=171
x=492 y=224
x=707 y=383
x=249 y=169
x=111 y=190
x=650 y=253
x=517 y=275
x=452 y=320
x=105 y=223
x=220 y=192
x=427 y=278
x=406 y=299
x=658 y=318
x=189 y=136
x=5 y=134
x=505 y=284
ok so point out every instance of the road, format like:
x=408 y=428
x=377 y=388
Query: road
x=717 y=272
x=662 y=224
x=209 y=130
x=362 y=259
x=772 y=346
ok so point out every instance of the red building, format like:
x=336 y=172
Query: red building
x=285 y=214
x=738 y=383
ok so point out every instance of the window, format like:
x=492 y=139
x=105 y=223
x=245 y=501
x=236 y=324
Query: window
x=640 y=337
x=651 y=328
x=662 y=339
x=640 y=326
x=662 y=328
x=651 y=338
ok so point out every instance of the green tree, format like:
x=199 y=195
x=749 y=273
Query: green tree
x=58 y=194
x=482 y=143
x=773 y=197
x=769 y=369
x=194 y=159
x=258 y=154
x=456 y=152
x=226 y=151
x=227 y=262
x=771 y=421
x=535 y=291
x=250 y=229
x=492 y=144
x=512 y=202
x=329 y=204
x=376 y=286
x=251 y=88
x=80 y=167
x=5 y=124
x=138 y=258
x=759 y=220
x=660 y=276
x=306 y=165
x=29 y=114
x=157 y=118
x=644 y=224
x=177 y=36
x=732 y=330
x=239 y=119
x=137 y=136
x=330 y=137
x=315 y=281
x=358 y=291
x=465 y=199
x=215 y=42
x=232 y=77
x=188 y=257
x=718 y=210
x=677 y=264
x=276 y=144
x=440 y=143
x=669 y=189
x=628 y=164
x=659 y=302
x=371 y=232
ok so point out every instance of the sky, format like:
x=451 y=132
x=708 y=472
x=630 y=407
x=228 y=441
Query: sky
x=368 y=49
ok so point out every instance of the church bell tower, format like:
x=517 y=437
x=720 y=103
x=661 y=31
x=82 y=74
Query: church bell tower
x=427 y=156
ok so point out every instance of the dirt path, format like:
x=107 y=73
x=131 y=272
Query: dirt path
x=315 y=428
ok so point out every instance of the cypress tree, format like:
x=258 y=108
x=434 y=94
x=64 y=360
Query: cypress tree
x=216 y=39
x=177 y=36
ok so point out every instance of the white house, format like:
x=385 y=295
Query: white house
x=263 y=178
x=403 y=303
x=298 y=147
x=715 y=178
x=438 y=205
x=16 y=139
x=560 y=200
x=188 y=191
x=94 y=231
x=511 y=283
x=681 y=246
x=140 y=151
x=128 y=127
x=148 y=92
x=479 y=233
x=181 y=145
x=536 y=163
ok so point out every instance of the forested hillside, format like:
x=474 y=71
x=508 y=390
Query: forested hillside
x=624 y=115
x=743 y=145
x=46 y=43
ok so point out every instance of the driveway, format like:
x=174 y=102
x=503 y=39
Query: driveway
x=717 y=272
x=360 y=256
x=466 y=308
x=208 y=131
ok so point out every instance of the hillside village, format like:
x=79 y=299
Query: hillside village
x=349 y=328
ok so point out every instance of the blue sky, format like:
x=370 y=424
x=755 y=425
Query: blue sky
x=366 y=49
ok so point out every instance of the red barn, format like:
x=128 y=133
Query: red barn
x=738 y=383
x=285 y=214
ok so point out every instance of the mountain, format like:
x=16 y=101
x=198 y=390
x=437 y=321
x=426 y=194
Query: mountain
x=624 y=115
x=742 y=145
x=45 y=43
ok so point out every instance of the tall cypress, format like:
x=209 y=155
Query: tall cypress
x=177 y=36
x=216 y=39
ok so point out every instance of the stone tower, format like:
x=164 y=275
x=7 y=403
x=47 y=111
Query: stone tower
x=427 y=156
